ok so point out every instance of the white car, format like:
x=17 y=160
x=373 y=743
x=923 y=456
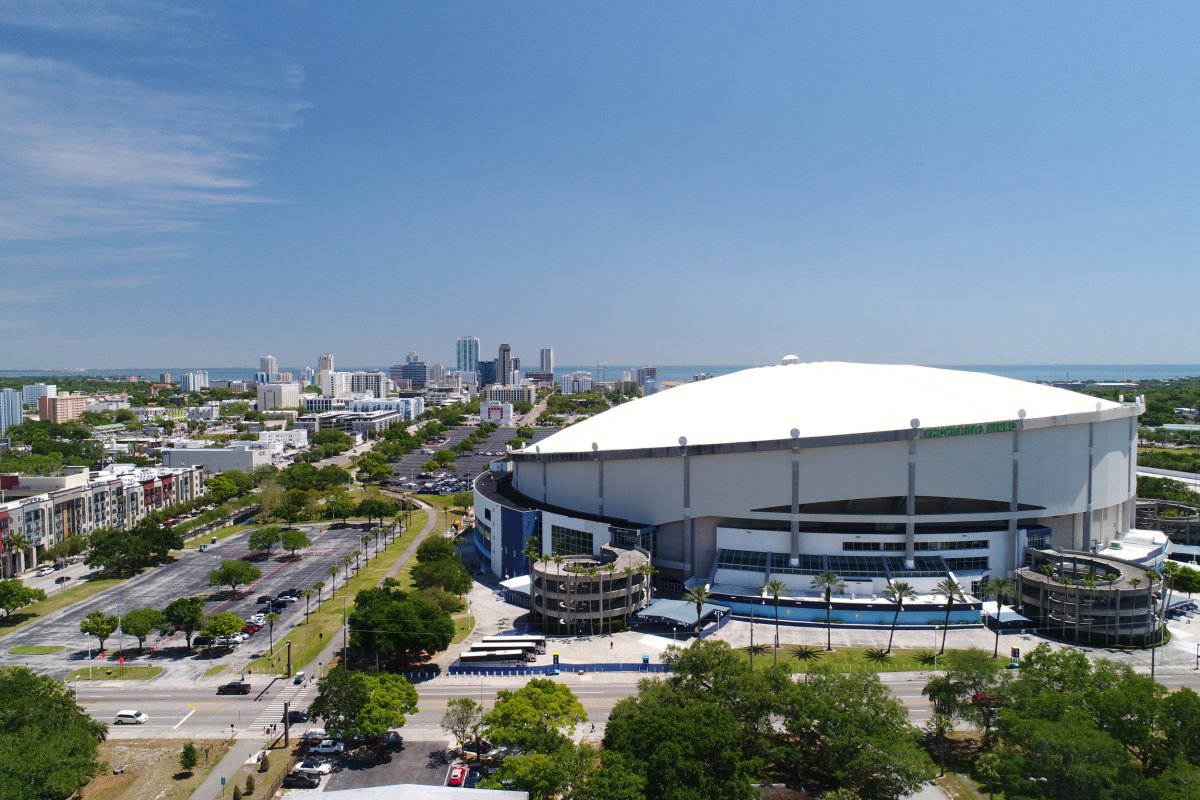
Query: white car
x=315 y=733
x=130 y=717
x=44 y=571
x=257 y=619
x=314 y=767
x=329 y=746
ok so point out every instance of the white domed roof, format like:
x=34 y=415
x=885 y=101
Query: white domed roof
x=819 y=399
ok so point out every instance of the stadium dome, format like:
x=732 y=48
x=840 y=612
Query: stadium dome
x=819 y=399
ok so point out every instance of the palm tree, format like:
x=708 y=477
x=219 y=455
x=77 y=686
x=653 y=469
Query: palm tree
x=611 y=569
x=648 y=571
x=18 y=544
x=307 y=594
x=346 y=564
x=357 y=554
x=376 y=532
x=319 y=585
x=952 y=590
x=826 y=583
x=333 y=572
x=699 y=596
x=1001 y=589
x=366 y=542
x=896 y=593
x=775 y=587
x=271 y=618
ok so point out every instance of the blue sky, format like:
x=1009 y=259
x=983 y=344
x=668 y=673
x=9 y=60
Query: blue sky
x=937 y=183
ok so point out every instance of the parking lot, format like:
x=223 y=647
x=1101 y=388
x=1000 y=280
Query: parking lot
x=409 y=467
x=188 y=577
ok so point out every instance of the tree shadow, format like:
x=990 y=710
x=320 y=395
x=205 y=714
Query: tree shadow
x=11 y=620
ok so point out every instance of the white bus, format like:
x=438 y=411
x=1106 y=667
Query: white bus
x=538 y=642
x=495 y=656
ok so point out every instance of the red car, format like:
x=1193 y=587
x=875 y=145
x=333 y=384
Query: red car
x=251 y=628
x=458 y=775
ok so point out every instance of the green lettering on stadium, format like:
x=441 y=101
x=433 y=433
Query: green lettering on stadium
x=970 y=429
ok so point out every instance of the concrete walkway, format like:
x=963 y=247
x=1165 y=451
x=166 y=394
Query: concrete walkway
x=250 y=741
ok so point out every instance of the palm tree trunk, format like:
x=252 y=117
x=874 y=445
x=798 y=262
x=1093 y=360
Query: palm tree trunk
x=999 y=605
x=775 y=654
x=892 y=635
x=946 y=625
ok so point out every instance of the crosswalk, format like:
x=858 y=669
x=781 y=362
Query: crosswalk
x=297 y=698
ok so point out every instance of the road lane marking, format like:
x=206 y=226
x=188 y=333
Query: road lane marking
x=177 y=724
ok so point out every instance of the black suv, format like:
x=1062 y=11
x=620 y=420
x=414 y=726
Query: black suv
x=301 y=780
x=265 y=598
x=237 y=687
x=296 y=716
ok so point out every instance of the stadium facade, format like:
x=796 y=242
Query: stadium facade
x=877 y=473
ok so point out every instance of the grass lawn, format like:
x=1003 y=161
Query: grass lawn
x=35 y=649
x=219 y=533
x=56 y=600
x=848 y=659
x=307 y=639
x=116 y=672
x=152 y=770
x=215 y=669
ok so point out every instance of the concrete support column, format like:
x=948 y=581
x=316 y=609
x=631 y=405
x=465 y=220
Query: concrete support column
x=688 y=539
x=1086 y=544
x=794 y=554
x=1014 y=504
x=599 y=478
x=910 y=504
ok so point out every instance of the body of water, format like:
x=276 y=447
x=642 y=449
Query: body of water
x=685 y=372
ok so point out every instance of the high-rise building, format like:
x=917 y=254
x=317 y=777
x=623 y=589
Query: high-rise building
x=62 y=408
x=278 y=395
x=193 y=381
x=268 y=370
x=164 y=377
x=32 y=391
x=467 y=354
x=415 y=372
x=546 y=360
x=437 y=373
x=412 y=357
x=504 y=365
x=487 y=372
x=10 y=409
x=325 y=362
x=333 y=384
x=307 y=374
x=374 y=382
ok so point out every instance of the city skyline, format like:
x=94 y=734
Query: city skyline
x=941 y=184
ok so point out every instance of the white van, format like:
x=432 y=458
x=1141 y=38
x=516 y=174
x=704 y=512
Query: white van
x=131 y=718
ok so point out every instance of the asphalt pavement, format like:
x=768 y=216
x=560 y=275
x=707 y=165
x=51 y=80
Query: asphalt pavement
x=187 y=577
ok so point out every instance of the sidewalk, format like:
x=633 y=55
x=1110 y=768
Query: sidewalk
x=250 y=740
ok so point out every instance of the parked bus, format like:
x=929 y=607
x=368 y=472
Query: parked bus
x=486 y=647
x=539 y=642
x=494 y=656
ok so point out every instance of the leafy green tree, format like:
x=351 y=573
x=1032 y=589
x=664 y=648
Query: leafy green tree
x=295 y=539
x=462 y=716
x=221 y=488
x=375 y=507
x=360 y=703
x=264 y=538
x=140 y=622
x=394 y=623
x=619 y=778
x=15 y=594
x=340 y=507
x=270 y=498
x=827 y=583
x=121 y=553
x=233 y=573
x=436 y=548
x=447 y=574
x=848 y=731
x=100 y=625
x=563 y=773
x=540 y=716
x=48 y=744
x=189 y=757
x=185 y=615
x=697 y=750
x=223 y=623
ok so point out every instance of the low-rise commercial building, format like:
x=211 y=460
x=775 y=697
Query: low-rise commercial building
x=278 y=395
x=47 y=510
x=216 y=459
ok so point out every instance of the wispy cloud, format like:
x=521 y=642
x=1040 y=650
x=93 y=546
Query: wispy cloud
x=82 y=153
x=115 y=19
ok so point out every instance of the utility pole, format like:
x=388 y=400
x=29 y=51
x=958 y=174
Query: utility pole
x=289 y=663
x=345 y=636
x=287 y=723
